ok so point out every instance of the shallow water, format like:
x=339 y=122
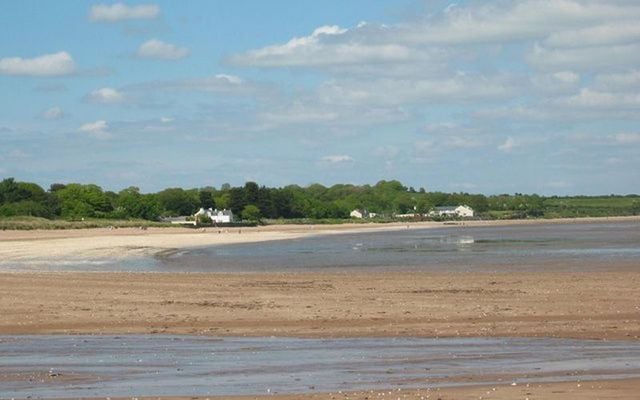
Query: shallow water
x=574 y=247
x=96 y=366
x=99 y=366
x=549 y=247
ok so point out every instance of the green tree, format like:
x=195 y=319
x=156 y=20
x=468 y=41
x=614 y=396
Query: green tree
x=132 y=204
x=237 y=200
x=251 y=213
x=80 y=201
x=177 y=201
x=206 y=198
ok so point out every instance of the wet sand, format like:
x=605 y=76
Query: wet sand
x=84 y=366
x=622 y=389
x=627 y=389
x=597 y=305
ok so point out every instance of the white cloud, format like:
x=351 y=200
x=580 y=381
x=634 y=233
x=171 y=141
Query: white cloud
x=455 y=136
x=218 y=84
x=618 y=81
x=105 y=96
x=166 y=120
x=119 y=12
x=97 y=130
x=508 y=145
x=599 y=35
x=518 y=112
x=298 y=113
x=593 y=99
x=556 y=82
x=463 y=142
x=53 y=113
x=160 y=50
x=398 y=91
x=425 y=147
x=55 y=64
x=229 y=78
x=585 y=58
x=337 y=159
x=496 y=22
x=17 y=154
x=326 y=46
x=628 y=138
x=386 y=151
x=561 y=28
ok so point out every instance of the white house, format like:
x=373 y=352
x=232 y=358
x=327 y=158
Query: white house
x=359 y=214
x=217 y=216
x=452 y=211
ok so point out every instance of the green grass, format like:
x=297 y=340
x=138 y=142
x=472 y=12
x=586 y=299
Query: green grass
x=600 y=206
x=31 y=223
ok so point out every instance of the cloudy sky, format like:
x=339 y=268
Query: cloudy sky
x=478 y=96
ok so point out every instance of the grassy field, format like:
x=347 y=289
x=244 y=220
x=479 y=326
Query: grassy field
x=601 y=206
x=30 y=223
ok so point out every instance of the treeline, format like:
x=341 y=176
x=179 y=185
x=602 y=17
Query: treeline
x=76 y=201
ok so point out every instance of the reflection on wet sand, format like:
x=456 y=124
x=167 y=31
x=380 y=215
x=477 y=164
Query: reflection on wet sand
x=95 y=366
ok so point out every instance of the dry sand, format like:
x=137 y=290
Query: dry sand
x=594 y=305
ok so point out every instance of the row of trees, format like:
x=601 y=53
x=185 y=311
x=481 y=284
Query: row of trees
x=75 y=201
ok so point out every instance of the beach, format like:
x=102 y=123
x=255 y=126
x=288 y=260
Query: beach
x=601 y=305
x=79 y=244
x=588 y=306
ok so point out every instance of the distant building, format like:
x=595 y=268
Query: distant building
x=217 y=216
x=452 y=211
x=359 y=214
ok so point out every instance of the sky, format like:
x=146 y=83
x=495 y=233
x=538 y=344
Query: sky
x=474 y=96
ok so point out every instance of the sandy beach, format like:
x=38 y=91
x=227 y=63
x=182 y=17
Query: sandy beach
x=593 y=305
x=588 y=305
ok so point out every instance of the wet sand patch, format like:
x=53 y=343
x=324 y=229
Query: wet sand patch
x=189 y=365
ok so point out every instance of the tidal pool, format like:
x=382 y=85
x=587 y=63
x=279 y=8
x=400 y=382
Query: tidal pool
x=155 y=365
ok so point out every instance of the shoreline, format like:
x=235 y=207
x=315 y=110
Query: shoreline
x=82 y=244
x=573 y=305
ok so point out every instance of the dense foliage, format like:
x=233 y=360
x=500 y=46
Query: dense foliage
x=253 y=202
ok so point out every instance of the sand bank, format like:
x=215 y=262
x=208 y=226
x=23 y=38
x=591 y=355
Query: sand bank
x=598 y=305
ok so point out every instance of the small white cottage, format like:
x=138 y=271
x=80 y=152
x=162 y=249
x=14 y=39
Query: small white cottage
x=452 y=211
x=359 y=214
x=217 y=216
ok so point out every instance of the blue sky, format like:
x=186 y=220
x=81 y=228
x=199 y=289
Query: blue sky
x=478 y=96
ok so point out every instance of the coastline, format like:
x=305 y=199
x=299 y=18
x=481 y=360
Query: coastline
x=78 y=244
x=576 y=305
